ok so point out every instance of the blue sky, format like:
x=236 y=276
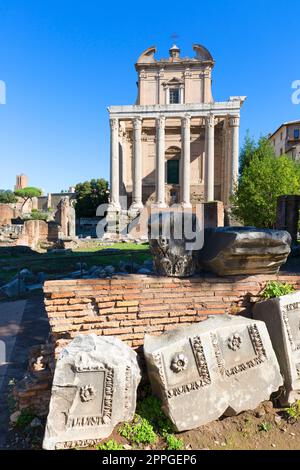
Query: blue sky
x=65 y=61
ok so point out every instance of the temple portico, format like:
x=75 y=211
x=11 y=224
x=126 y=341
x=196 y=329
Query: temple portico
x=176 y=145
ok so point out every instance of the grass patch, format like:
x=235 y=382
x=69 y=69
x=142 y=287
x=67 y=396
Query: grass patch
x=110 y=445
x=64 y=263
x=293 y=412
x=174 y=443
x=265 y=427
x=139 y=431
x=150 y=409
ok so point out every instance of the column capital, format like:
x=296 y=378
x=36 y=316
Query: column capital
x=161 y=121
x=114 y=123
x=137 y=123
x=186 y=121
x=234 y=121
x=210 y=120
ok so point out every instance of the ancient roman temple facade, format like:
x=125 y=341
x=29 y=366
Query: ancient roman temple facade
x=176 y=144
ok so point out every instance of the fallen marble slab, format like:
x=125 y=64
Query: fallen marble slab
x=282 y=318
x=221 y=366
x=244 y=250
x=94 y=389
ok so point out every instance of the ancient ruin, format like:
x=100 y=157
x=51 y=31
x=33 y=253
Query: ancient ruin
x=172 y=240
x=94 y=388
x=223 y=365
x=282 y=317
x=231 y=251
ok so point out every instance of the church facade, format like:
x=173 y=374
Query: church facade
x=176 y=145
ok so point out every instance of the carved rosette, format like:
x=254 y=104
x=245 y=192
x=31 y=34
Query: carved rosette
x=179 y=363
x=234 y=342
x=259 y=358
x=87 y=393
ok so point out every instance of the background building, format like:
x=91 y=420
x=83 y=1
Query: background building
x=286 y=139
x=176 y=144
x=21 y=181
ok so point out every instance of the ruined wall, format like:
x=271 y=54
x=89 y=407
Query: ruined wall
x=128 y=307
x=7 y=213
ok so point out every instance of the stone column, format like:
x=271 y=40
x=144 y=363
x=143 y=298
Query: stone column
x=114 y=165
x=186 y=154
x=210 y=158
x=137 y=165
x=234 y=123
x=181 y=94
x=160 y=161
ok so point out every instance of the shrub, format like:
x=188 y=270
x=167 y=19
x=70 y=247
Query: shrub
x=139 y=431
x=7 y=196
x=276 y=289
x=264 y=177
x=37 y=215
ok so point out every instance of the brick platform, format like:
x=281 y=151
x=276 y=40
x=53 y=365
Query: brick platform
x=130 y=306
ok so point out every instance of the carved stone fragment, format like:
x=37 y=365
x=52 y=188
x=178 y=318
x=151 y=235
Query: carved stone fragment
x=223 y=365
x=171 y=239
x=282 y=318
x=244 y=250
x=94 y=388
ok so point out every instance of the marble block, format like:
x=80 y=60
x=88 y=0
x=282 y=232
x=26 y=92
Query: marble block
x=221 y=366
x=244 y=250
x=94 y=388
x=282 y=318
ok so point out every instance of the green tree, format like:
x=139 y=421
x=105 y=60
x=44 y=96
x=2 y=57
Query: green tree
x=7 y=196
x=247 y=152
x=90 y=195
x=264 y=179
x=28 y=193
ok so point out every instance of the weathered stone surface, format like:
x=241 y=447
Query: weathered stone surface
x=65 y=216
x=244 y=250
x=223 y=365
x=282 y=318
x=169 y=246
x=94 y=388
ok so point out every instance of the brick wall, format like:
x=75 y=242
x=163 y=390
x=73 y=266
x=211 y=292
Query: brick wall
x=128 y=307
